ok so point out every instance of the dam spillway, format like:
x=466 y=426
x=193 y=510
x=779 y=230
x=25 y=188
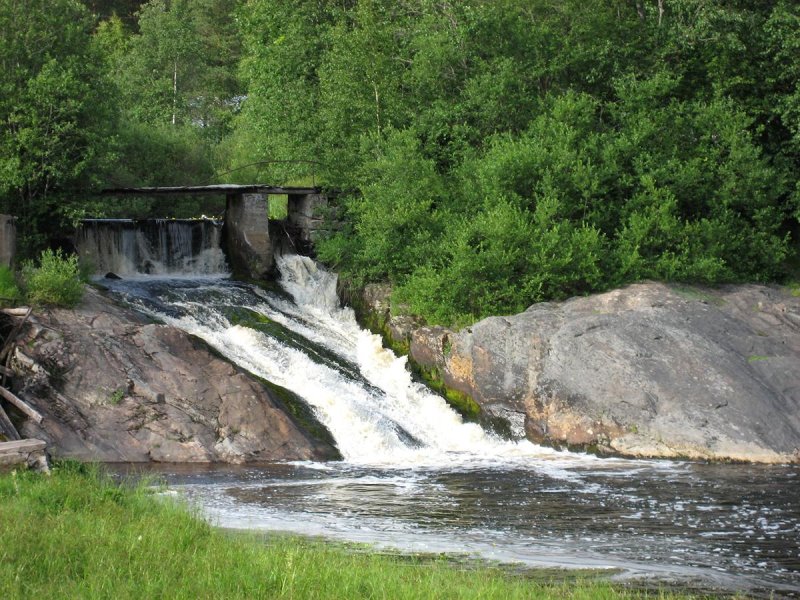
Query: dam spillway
x=152 y=246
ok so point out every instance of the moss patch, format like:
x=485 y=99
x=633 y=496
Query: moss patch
x=756 y=358
x=463 y=404
x=460 y=401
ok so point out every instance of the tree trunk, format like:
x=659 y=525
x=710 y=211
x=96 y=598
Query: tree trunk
x=377 y=108
x=640 y=10
x=174 y=89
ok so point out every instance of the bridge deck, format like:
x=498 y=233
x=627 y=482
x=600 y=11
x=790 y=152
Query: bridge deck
x=223 y=188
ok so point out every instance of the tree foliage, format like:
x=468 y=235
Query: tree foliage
x=517 y=151
x=55 y=115
x=489 y=154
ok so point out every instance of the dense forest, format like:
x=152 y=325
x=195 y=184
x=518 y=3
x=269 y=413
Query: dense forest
x=487 y=154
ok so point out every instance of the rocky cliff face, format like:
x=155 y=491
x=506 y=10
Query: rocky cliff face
x=649 y=370
x=113 y=387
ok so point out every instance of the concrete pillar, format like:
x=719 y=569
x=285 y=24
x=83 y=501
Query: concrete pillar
x=247 y=235
x=8 y=240
x=306 y=214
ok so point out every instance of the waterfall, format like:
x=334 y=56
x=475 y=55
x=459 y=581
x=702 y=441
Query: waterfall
x=309 y=344
x=152 y=246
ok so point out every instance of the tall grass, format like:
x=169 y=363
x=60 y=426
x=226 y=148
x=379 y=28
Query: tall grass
x=9 y=291
x=77 y=534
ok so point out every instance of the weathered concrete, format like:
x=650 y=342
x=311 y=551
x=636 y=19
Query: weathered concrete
x=309 y=215
x=247 y=238
x=8 y=240
x=649 y=370
x=113 y=387
x=246 y=234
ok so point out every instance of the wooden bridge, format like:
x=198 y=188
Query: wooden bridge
x=247 y=230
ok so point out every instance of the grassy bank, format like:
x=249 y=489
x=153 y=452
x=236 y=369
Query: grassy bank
x=76 y=534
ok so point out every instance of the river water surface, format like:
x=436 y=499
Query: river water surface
x=416 y=478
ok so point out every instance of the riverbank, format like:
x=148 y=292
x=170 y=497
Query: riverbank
x=78 y=534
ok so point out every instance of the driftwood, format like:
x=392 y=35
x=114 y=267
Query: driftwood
x=21 y=405
x=12 y=337
x=30 y=445
x=7 y=427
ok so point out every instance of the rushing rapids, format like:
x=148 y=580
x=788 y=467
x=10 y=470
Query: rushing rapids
x=415 y=476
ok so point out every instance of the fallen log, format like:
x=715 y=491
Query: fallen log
x=21 y=405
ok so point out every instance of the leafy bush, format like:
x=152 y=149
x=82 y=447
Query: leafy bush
x=502 y=260
x=55 y=282
x=396 y=223
x=9 y=292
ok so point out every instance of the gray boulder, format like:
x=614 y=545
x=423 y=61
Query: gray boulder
x=649 y=370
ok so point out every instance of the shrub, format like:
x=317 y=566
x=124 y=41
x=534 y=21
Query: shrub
x=55 y=282
x=9 y=292
x=502 y=260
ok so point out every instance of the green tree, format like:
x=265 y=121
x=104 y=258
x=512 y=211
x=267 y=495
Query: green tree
x=55 y=113
x=284 y=42
x=178 y=92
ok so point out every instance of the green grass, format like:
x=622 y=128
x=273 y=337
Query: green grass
x=76 y=534
x=278 y=206
x=116 y=396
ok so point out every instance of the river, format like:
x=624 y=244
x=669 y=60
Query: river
x=415 y=477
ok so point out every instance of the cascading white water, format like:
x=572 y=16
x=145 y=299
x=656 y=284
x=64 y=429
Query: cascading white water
x=154 y=246
x=386 y=418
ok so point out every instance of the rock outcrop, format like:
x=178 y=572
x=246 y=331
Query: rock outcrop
x=649 y=370
x=114 y=387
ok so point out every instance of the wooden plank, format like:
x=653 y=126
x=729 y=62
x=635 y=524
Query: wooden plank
x=29 y=445
x=224 y=188
x=31 y=453
x=20 y=311
x=7 y=427
x=21 y=405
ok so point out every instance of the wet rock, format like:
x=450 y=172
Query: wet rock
x=648 y=370
x=373 y=306
x=113 y=387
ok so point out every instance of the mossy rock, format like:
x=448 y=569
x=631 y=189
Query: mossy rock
x=293 y=405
